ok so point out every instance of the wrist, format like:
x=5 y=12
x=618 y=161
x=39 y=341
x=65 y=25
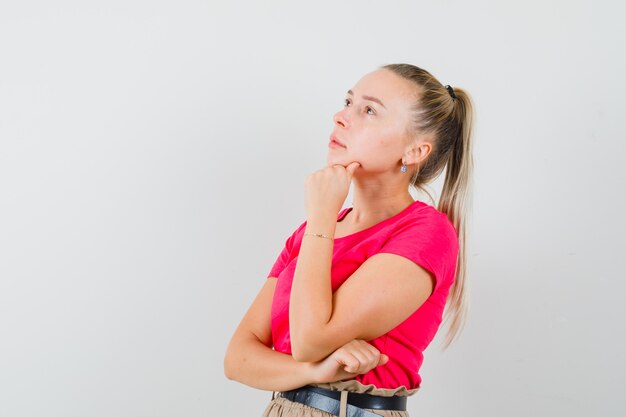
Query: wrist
x=322 y=215
x=309 y=371
x=321 y=223
x=325 y=232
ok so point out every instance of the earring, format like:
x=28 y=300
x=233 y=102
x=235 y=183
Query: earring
x=403 y=168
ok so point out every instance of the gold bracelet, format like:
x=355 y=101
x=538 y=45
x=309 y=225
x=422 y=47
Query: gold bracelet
x=318 y=235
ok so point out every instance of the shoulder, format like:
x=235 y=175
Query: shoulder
x=425 y=231
x=426 y=218
x=427 y=237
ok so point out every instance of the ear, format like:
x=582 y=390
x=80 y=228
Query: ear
x=417 y=152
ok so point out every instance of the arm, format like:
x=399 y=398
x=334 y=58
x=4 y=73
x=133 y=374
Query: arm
x=383 y=292
x=250 y=358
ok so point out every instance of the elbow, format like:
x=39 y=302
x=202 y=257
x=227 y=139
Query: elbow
x=229 y=366
x=228 y=370
x=300 y=356
x=309 y=344
x=306 y=351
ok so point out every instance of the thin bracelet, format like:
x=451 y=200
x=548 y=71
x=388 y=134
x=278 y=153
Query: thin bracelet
x=318 y=235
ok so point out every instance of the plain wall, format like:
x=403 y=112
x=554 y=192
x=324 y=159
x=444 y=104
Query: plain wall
x=152 y=164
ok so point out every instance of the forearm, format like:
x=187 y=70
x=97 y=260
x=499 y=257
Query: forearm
x=252 y=363
x=310 y=306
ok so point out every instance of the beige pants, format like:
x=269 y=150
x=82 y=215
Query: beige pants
x=282 y=407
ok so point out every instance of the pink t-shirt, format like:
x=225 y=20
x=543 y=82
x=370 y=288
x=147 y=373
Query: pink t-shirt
x=420 y=233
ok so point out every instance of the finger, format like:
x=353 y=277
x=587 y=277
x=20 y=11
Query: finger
x=366 y=354
x=374 y=353
x=351 y=168
x=365 y=361
x=347 y=360
x=377 y=357
x=371 y=349
x=352 y=364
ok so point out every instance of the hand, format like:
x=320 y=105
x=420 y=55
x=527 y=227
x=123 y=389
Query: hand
x=327 y=189
x=354 y=358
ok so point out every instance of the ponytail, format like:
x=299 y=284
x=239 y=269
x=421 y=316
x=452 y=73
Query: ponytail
x=448 y=113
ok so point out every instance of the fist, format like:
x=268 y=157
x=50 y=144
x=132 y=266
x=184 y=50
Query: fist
x=327 y=189
x=354 y=358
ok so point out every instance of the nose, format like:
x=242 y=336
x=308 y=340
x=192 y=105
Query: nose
x=341 y=120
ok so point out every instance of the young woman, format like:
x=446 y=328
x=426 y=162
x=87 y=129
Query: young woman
x=356 y=295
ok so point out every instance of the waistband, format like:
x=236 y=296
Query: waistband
x=334 y=402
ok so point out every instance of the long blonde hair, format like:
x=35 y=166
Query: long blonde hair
x=448 y=114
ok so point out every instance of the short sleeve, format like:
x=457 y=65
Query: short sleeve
x=285 y=255
x=429 y=241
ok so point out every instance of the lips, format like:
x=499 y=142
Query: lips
x=334 y=139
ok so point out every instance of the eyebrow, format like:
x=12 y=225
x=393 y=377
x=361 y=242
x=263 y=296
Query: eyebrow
x=370 y=98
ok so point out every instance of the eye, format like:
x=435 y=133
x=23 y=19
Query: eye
x=346 y=102
x=368 y=109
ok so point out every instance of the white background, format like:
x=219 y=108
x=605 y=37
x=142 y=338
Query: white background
x=152 y=161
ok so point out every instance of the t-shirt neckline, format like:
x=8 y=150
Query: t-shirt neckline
x=375 y=226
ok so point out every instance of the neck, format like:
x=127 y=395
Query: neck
x=375 y=199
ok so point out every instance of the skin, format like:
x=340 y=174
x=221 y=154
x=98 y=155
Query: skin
x=376 y=137
x=377 y=141
x=329 y=331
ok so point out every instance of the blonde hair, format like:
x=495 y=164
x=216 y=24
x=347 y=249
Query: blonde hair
x=450 y=120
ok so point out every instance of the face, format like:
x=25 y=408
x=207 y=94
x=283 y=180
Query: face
x=373 y=123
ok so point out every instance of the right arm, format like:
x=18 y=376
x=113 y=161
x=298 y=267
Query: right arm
x=251 y=360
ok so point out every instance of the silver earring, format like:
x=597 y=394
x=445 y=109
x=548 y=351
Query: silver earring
x=403 y=168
